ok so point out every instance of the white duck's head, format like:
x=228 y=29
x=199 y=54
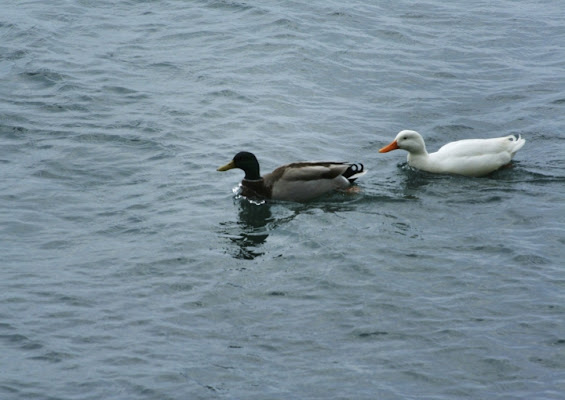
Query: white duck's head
x=411 y=141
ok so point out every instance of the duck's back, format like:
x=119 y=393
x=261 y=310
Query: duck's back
x=476 y=157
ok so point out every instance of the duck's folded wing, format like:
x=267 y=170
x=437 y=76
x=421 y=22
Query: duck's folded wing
x=480 y=147
x=308 y=171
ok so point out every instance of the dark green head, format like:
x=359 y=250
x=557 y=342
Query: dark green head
x=247 y=162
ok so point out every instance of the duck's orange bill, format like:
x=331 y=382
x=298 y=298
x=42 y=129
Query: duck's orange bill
x=389 y=147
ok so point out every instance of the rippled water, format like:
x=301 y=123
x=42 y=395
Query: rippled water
x=131 y=270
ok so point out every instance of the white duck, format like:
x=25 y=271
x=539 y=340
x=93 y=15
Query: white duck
x=470 y=157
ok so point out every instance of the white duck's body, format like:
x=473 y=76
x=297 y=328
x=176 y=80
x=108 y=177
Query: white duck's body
x=470 y=157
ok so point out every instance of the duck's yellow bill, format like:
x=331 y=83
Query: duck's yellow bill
x=229 y=165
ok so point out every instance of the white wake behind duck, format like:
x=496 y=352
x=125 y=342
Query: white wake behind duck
x=469 y=157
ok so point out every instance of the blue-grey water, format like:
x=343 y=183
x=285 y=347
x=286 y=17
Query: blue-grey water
x=129 y=269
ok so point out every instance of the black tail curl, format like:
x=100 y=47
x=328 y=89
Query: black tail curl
x=353 y=170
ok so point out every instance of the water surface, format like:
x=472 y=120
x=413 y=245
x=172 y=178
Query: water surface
x=130 y=269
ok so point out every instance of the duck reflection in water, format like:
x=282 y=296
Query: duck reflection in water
x=250 y=230
x=256 y=220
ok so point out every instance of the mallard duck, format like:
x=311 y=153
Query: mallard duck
x=470 y=157
x=300 y=181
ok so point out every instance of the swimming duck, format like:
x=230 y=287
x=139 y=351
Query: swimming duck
x=300 y=181
x=470 y=157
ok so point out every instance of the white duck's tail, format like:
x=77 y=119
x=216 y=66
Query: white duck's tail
x=517 y=143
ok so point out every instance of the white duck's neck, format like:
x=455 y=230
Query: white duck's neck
x=420 y=159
